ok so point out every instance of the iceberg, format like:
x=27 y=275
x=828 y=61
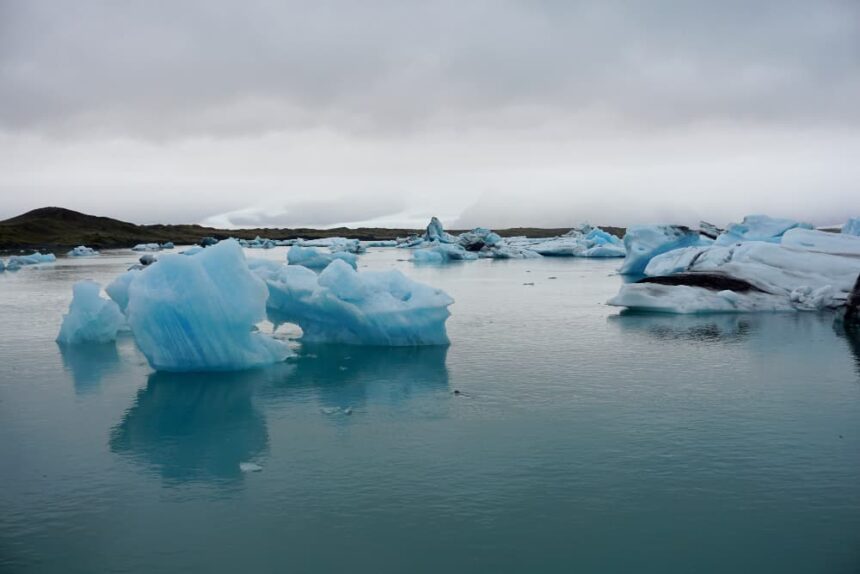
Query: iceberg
x=198 y=313
x=380 y=243
x=758 y=228
x=442 y=253
x=479 y=238
x=17 y=261
x=167 y=245
x=2 y=266
x=146 y=247
x=117 y=289
x=341 y=305
x=644 y=242
x=83 y=251
x=584 y=241
x=852 y=226
x=809 y=270
x=315 y=259
x=435 y=232
x=90 y=319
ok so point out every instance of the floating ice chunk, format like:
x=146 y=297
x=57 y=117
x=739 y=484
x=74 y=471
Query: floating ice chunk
x=17 y=261
x=2 y=266
x=146 y=247
x=167 y=245
x=192 y=250
x=779 y=277
x=199 y=313
x=758 y=228
x=381 y=243
x=644 y=242
x=342 y=305
x=435 y=232
x=686 y=299
x=315 y=259
x=341 y=244
x=442 y=253
x=83 y=251
x=90 y=319
x=581 y=242
x=479 y=238
x=250 y=467
x=822 y=241
x=118 y=288
x=852 y=226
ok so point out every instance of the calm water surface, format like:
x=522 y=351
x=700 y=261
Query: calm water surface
x=581 y=440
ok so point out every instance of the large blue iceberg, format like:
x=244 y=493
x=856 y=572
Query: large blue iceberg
x=341 y=305
x=90 y=319
x=807 y=270
x=644 y=242
x=199 y=312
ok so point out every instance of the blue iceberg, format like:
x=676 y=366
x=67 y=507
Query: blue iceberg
x=341 y=305
x=758 y=228
x=83 y=251
x=644 y=242
x=199 y=312
x=852 y=226
x=442 y=253
x=90 y=319
x=315 y=259
x=17 y=261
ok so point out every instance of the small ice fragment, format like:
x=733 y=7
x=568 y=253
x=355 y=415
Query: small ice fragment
x=250 y=467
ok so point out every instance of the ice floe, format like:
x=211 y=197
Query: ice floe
x=852 y=226
x=758 y=228
x=342 y=305
x=644 y=242
x=805 y=270
x=583 y=241
x=91 y=319
x=83 y=251
x=199 y=313
x=18 y=261
x=313 y=258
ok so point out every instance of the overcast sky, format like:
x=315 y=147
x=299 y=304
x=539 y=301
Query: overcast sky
x=321 y=113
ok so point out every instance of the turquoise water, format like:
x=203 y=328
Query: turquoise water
x=581 y=440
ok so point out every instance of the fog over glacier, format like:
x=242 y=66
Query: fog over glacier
x=385 y=113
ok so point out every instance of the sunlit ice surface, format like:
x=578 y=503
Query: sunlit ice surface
x=553 y=435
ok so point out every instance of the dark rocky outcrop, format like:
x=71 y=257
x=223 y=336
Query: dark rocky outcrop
x=852 y=307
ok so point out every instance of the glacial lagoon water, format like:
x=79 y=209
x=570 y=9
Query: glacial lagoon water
x=579 y=440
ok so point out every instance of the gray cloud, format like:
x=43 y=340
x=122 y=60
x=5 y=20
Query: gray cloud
x=488 y=112
x=157 y=69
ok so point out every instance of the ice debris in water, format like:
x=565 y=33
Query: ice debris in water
x=758 y=228
x=146 y=247
x=91 y=319
x=852 y=226
x=806 y=270
x=644 y=242
x=582 y=241
x=35 y=258
x=83 y=251
x=315 y=259
x=341 y=305
x=250 y=467
x=199 y=313
x=442 y=253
